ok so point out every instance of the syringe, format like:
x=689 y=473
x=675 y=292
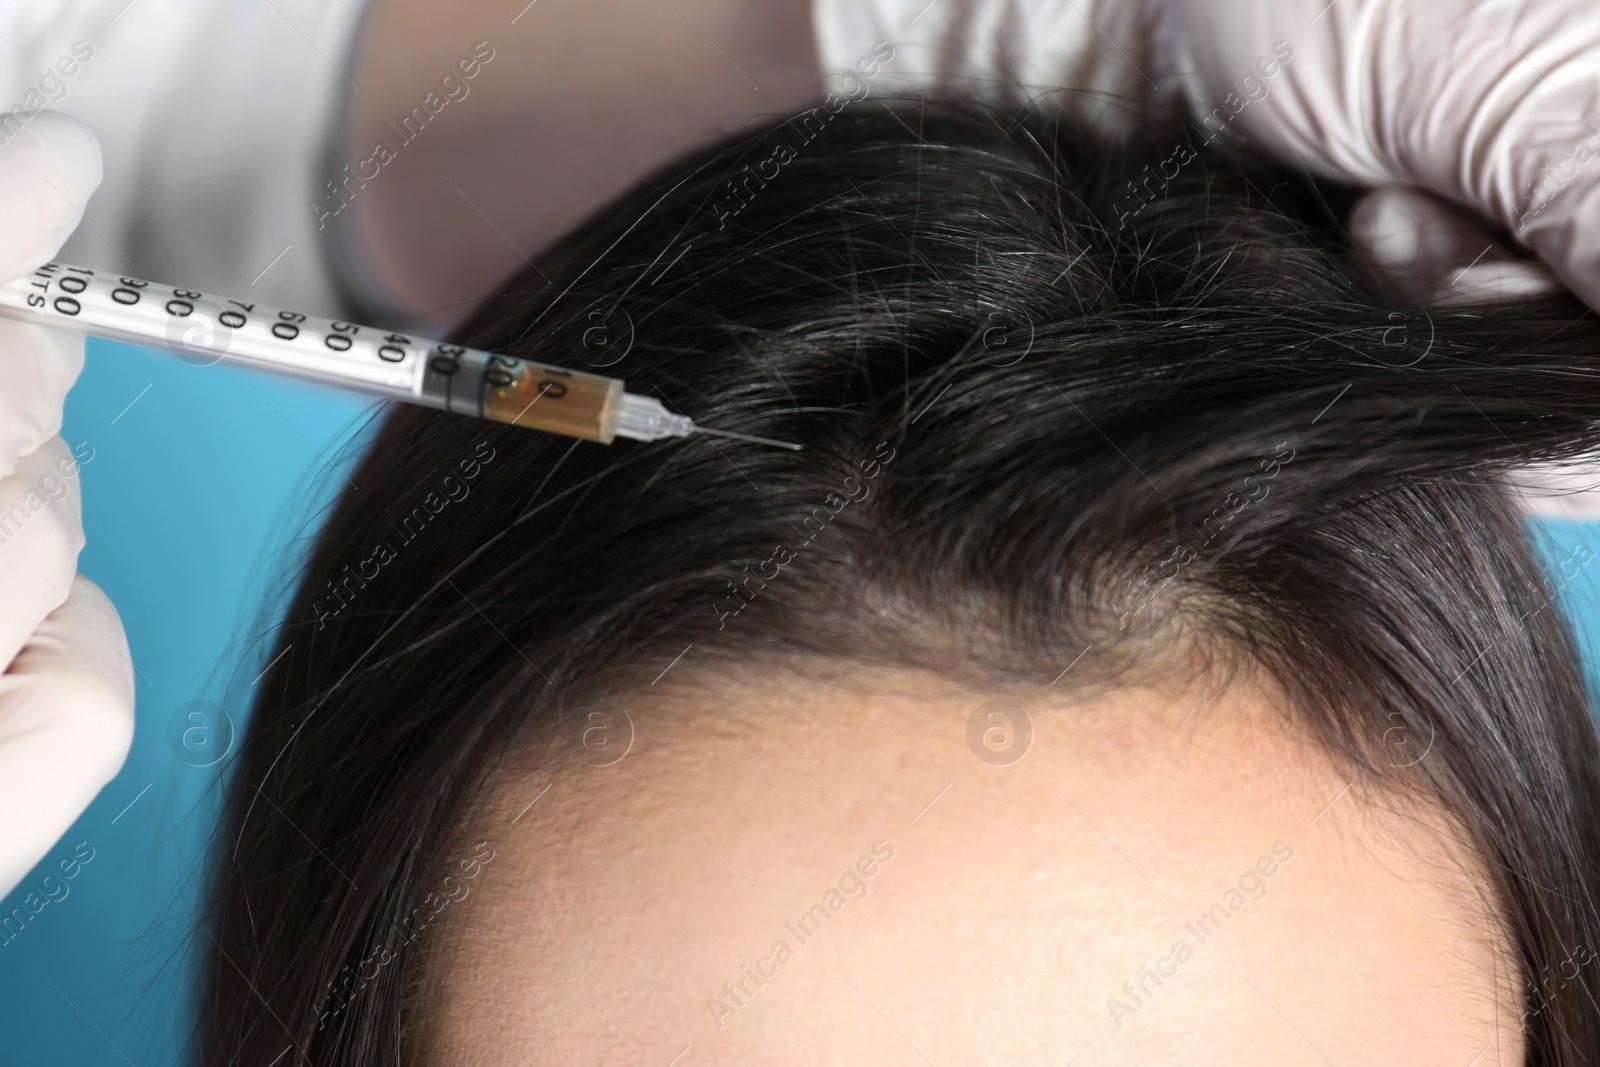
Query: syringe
x=211 y=329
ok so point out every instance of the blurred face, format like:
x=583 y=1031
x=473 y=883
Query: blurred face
x=885 y=869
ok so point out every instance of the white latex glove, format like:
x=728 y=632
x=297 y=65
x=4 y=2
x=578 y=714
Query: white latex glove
x=1492 y=104
x=66 y=694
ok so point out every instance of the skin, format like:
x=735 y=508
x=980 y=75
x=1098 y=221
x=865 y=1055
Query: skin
x=1018 y=900
x=581 y=99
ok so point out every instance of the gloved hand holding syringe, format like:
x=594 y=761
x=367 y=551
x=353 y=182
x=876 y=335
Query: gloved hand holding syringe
x=199 y=326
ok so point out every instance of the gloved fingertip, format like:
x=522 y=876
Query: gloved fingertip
x=37 y=367
x=74 y=151
x=1568 y=491
x=1386 y=226
x=1515 y=280
x=117 y=670
x=49 y=167
x=1436 y=256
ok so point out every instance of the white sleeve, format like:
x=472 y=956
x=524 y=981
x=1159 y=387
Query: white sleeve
x=1087 y=57
x=216 y=118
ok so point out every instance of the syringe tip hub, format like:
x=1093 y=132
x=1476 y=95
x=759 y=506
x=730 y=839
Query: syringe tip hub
x=642 y=418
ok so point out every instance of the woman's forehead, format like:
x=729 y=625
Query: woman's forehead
x=873 y=875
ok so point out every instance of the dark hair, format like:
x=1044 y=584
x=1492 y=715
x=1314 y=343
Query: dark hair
x=1035 y=421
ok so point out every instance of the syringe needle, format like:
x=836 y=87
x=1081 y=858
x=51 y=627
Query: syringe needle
x=748 y=437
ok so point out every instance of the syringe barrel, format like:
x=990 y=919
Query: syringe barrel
x=553 y=399
x=202 y=329
x=205 y=329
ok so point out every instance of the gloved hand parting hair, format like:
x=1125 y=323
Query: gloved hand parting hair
x=1437 y=257
x=1493 y=104
x=66 y=694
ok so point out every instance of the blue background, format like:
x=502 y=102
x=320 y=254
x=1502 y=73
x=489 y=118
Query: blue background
x=199 y=498
x=196 y=502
